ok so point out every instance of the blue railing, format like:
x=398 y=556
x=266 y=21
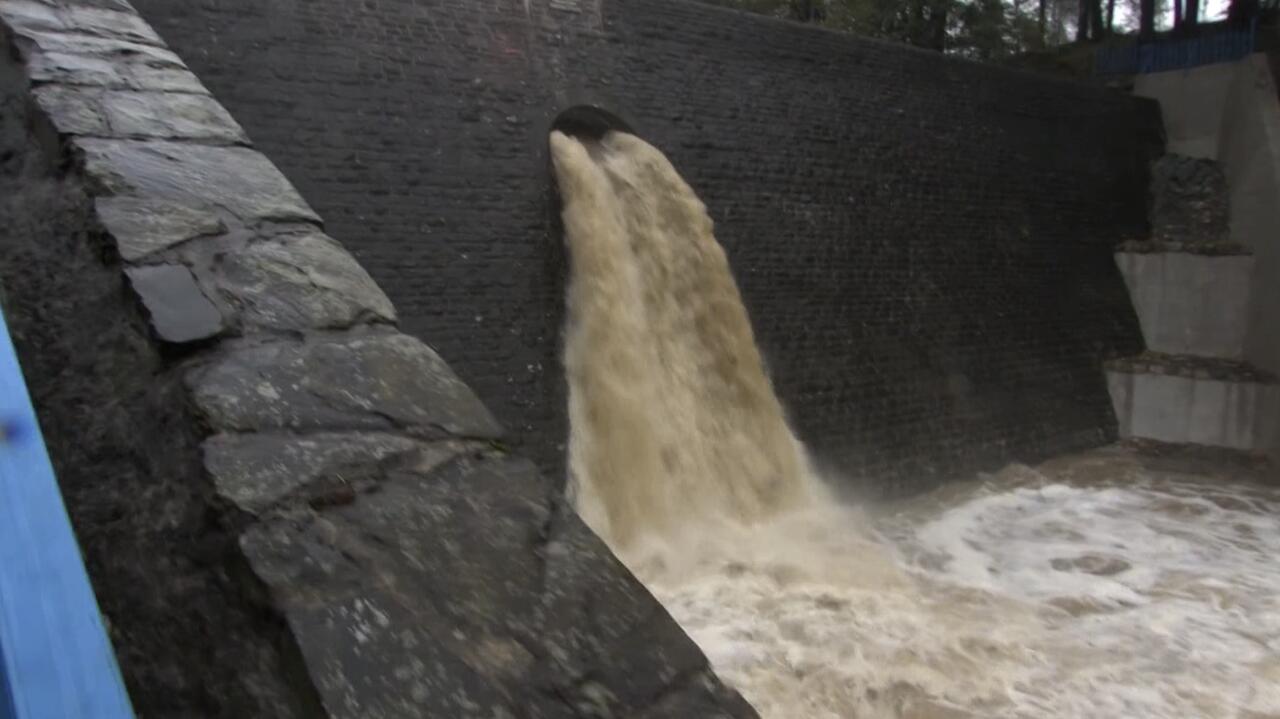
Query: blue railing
x=55 y=660
x=1169 y=54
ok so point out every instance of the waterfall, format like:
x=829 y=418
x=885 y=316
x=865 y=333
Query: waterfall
x=674 y=419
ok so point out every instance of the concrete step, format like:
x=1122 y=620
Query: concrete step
x=1190 y=299
x=1196 y=400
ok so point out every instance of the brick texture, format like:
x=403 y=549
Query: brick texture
x=924 y=244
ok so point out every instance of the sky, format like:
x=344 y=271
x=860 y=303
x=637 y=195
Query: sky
x=1214 y=9
x=1210 y=10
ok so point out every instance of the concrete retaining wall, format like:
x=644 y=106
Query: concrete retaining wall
x=1193 y=103
x=1178 y=409
x=1230 y=112
x=1249 y=148
x=1190 y=303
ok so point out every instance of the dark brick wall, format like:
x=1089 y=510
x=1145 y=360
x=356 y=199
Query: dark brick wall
x=923 y=243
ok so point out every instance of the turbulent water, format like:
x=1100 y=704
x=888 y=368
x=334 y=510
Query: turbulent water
x=1093 y=587
x=674 y=421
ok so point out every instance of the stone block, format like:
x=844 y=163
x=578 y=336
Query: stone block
x=256 y=471
x=72 y=111
x=104 y=18
x=72 y=69
x=119 y=51
x=169 y=115
x=142 y=227
x=77 y=70
x=109 y=19
x=179 y=310
x=102 y=112
x=465 y=591
x=300 y=282
x=378 y=380
x=26 y=16
x=237 y=180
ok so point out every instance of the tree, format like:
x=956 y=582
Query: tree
x=1060 y=14
x=1089 y=21
x=808 y=10
x=1147 y=19
x=1097 y=28
x=1191 y=15
x=983 y=30
x=1138 y=11
x=1243 y=10
x=923 y=23
x=935 y=23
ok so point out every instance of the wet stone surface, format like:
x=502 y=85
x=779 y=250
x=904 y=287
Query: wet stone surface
x=142 y=227
x=120 y=113
x=132 y=74
x=115 y=49
x=102 y=18
x=179 y=311
x=237 y=180
x=256 y=471
x=373 y=380
x=465 y=590
x=300 y=282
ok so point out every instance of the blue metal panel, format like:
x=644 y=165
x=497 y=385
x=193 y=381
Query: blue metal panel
x=55 y=659
x=1170 y=54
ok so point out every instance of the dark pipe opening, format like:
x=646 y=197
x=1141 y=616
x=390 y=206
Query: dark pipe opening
x=589 y=122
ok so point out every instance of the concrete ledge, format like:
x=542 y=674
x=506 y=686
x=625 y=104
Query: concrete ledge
x=1190 y=303
x=1176 y=408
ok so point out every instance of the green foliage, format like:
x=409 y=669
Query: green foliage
x=917 y=22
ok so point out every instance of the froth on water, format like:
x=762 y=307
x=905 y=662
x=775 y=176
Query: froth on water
x=1093 y=588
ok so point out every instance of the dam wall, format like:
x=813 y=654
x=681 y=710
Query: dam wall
x=924 y=244
x=289 y=502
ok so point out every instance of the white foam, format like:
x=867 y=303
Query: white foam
x=1164 y=602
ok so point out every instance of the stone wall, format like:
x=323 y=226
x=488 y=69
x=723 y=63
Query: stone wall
x=923 y=243
x=288 y=507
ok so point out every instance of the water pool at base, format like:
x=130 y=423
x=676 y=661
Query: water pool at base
x=1095 y=586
